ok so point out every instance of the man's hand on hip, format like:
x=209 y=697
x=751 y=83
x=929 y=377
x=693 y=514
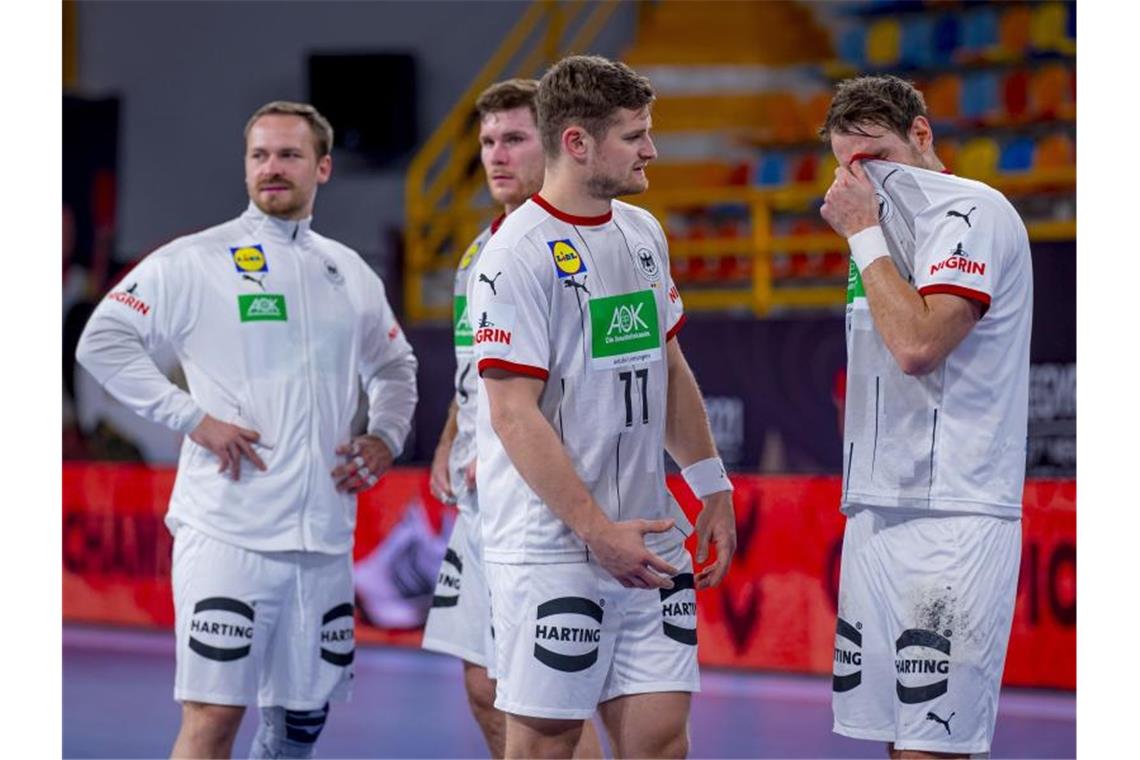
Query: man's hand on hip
x=620 y=548
x=228 y=443
x=716 y=524
x=367 y=459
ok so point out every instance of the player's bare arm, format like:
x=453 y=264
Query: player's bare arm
x=534 y=449
x=367 y=458
x=440 y=482
x=919 y=331
x=229 y=443
x=688 y=439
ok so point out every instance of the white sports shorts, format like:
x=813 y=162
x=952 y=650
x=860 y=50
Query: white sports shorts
x=925 y=607
x=459 y=622
x=568 y=636
x=274 y=629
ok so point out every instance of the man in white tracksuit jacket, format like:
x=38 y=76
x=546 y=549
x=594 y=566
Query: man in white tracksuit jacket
x=276 y=327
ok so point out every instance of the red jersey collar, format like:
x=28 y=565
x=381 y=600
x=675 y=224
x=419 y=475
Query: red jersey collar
x=497 y=222
x=584 y=221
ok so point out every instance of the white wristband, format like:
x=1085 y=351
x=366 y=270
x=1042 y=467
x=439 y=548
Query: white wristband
x=707 y=477
x=868 y=245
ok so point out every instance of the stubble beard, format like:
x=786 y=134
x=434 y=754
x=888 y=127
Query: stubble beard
x=607 y=188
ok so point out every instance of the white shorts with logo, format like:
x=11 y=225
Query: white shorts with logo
x=275 y=629
x=925 y=608
x=568 y=636
x=459 y=622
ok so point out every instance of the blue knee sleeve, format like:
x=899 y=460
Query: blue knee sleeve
x=288 y=734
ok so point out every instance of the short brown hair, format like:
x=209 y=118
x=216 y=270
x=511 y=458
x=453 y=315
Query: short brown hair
x=322 y=130
x=587 y=90
x=885 y=100
x=507 y=96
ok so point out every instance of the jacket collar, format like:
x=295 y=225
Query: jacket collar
x=258 y=223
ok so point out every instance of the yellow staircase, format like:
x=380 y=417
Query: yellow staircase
x=444 y=182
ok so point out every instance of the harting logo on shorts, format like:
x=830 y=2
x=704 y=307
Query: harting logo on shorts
x=847 y=672
x=564 y=637
x=338 y=643
x=922 y=665
x=450 y=575
x=221 y=629
x=679 y=613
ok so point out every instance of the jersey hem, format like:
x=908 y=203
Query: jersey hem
x=565 y=713
x=558 y=556
x=929 y=505
x=870 y=734
x=936 y=746
x=518 y=369
x=655 y=687
x=175 y=519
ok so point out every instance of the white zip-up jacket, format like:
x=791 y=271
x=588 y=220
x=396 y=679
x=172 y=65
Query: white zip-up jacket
x=273 y=324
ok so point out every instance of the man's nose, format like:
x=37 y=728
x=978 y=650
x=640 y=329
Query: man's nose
x=500 y=154
x=649 y=150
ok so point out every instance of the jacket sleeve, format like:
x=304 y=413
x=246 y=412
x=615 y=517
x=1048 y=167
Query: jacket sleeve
x=387 y=370
x=143 y=312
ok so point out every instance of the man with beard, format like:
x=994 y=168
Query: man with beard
x=584 y=387
x=276 y=326
x=459 y=623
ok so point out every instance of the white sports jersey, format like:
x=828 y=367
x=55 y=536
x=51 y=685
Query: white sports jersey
x=954 y=439
x=466 y=386
x=585 y=304
x=275 y=327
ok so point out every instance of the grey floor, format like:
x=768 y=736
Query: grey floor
x=408 y=703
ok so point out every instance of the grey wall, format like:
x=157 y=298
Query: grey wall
x=190 y=73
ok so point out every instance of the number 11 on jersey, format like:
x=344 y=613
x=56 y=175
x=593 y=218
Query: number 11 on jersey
x=627 y=379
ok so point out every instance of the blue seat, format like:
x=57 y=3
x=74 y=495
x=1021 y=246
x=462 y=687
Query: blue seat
x=1016 y=155
x=772 y=170
x=946 y=39
x=918 y=42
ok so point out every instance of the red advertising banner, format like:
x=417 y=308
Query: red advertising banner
x=775 y=610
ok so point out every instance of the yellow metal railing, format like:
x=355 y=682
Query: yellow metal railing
x=760 y=296
x=444 y=180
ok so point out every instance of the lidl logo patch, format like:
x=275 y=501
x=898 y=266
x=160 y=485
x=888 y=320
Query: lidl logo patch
x=566 y=258
x=468 y=256
x=249 y=258
x=258 y=307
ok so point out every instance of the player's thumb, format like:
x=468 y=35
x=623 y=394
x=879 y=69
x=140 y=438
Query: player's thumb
x=249 y=435
x=656 y=526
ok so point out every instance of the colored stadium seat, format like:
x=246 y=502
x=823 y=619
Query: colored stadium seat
x=1016 y=155
x=979 y=33
x=1013 y=31
x=1015 y=95
x=946 y=36
x=978 y=158
x=883 y=41
x=980 y=95
x=943 y=97
x=917 y=42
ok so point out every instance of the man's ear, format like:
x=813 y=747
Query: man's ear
x=577 y=143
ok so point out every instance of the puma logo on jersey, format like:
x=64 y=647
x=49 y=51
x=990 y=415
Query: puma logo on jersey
x=945 y=723
x=964 y=217
x=259 y=283
x=574 y=284
x=490 y=281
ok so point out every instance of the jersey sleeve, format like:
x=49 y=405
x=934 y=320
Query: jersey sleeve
x=510 y=313
x=387 y=369
x=153 y=305
x=957 y=249
x=674 y=308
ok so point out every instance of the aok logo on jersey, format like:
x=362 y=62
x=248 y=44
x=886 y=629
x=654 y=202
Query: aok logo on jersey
x=960 y=260
x=567 y=260
x=854 y=283
x=624 y=329
x=461 y=323
x=493 y=329
x=450 y=579
x=267 y=307
x=249 y=259
x=922 y=665
x=221 y=629
x=679 y=610
x=847 y=672
x=567 y=633
x=338 y=635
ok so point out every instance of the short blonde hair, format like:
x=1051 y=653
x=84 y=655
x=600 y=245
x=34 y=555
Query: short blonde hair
x=322 y=130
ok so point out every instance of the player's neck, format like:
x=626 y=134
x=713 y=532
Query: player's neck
x=569 y=195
